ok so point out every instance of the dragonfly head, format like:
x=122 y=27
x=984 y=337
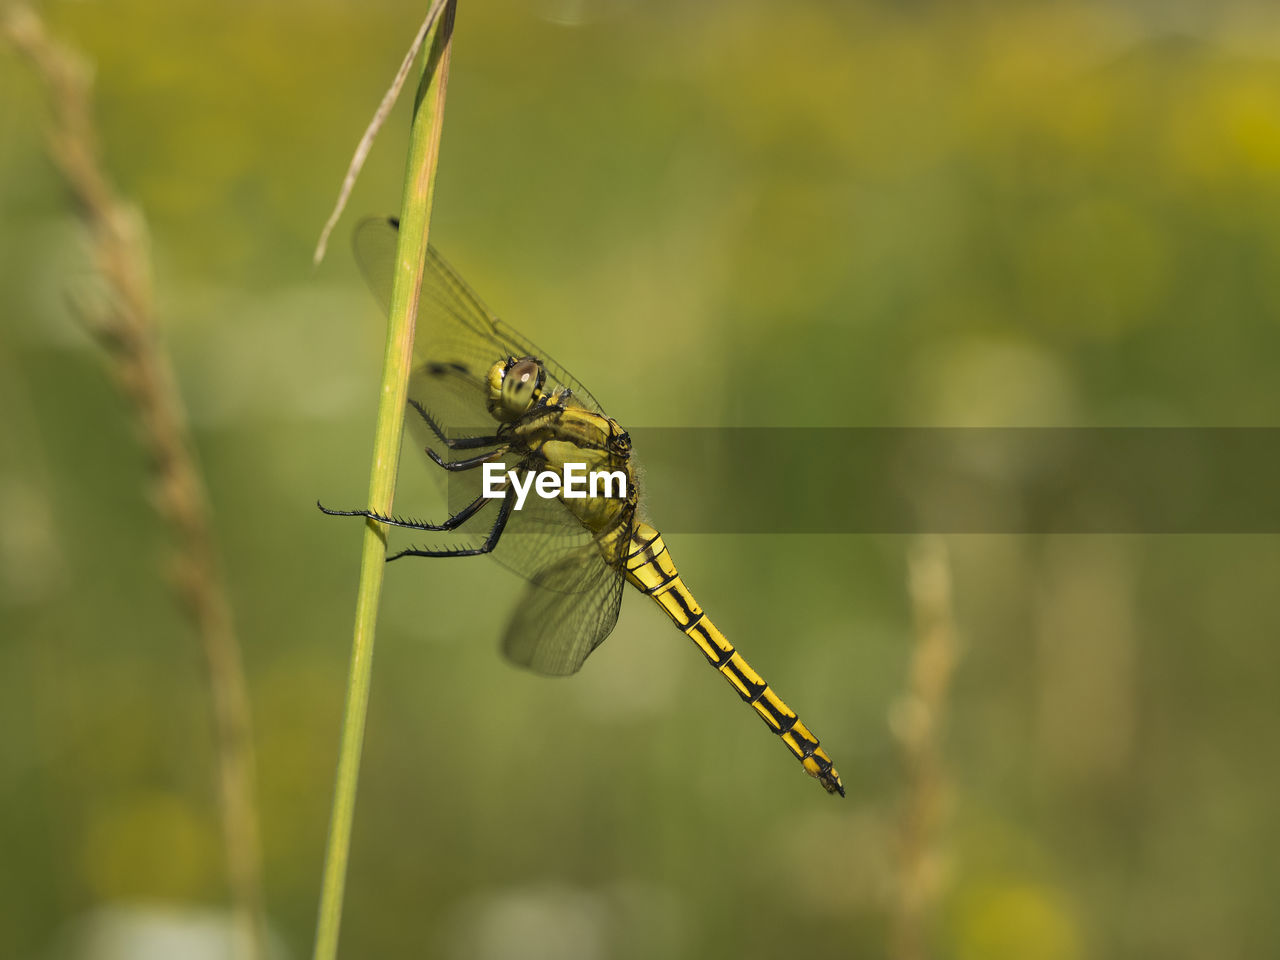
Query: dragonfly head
x=515 y=385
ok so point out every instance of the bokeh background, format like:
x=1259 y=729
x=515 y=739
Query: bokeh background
x=717 y=214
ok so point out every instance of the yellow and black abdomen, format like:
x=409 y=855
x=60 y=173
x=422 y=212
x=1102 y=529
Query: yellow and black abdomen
x=650 y=569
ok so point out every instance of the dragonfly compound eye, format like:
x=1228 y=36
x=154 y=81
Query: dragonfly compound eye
x=522 y=385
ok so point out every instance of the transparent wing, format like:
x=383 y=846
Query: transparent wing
x=566 y=612
x=455 y=330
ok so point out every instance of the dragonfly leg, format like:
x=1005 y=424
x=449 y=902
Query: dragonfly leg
x=491 y=541
x=453 y=443
x=471 y=462
x=459 y=518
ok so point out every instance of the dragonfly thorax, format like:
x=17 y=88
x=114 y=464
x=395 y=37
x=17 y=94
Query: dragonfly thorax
x=515 y=385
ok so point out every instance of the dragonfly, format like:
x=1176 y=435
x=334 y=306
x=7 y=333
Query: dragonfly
x=480 y=394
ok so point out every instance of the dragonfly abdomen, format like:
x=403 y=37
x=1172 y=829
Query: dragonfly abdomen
x=651 y=570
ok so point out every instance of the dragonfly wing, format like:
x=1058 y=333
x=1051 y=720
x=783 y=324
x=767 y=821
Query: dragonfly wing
x=453 y=324
x=566 y=612
x=375 y=249
x=454 y=342
x=454 y=396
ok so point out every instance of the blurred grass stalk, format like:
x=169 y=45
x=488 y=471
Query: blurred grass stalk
x=917 y=722
x=415 y=217
x=126 y=327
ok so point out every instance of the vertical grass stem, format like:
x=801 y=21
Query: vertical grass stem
x=415 y=215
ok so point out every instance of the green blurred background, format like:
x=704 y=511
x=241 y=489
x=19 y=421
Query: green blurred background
x=722 y=213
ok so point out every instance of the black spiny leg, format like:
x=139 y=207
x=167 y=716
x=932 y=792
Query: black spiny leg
x=459 y=443
x=455 y=521
x=454 y=443
x=491 y=541
x=471 y=462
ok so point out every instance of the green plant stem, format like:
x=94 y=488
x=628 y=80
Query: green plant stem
x=415 y=217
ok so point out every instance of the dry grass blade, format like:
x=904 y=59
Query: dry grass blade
x=126 y=328
x=371 y=132
x=917 y=723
